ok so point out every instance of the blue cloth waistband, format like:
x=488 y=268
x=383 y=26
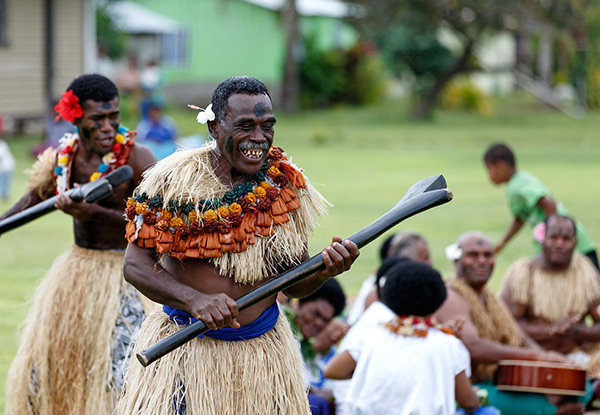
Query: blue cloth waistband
x=265 y=322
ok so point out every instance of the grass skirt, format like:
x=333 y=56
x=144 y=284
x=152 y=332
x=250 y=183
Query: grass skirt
x=215 y=377
x=64 y=360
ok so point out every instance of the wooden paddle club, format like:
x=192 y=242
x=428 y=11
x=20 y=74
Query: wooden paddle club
x=420 y=196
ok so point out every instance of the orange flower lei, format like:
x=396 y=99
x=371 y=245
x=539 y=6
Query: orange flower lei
x=212 y=227
x=110 y=161
x=409 y=325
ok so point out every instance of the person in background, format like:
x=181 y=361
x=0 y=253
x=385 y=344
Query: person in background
x=315 y=325
x=529 y=200
x=7 y=165
x=404 y=245
x=407 y=364
x=157 y=130
x=552 y=294
x=490 y=332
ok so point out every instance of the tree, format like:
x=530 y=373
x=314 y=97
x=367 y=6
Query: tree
x=291 y=79
x=469 y=20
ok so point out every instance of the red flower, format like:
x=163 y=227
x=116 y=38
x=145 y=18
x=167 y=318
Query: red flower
x=68 y=107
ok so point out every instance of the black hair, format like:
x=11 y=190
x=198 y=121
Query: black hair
x=332 y=292
x=235 y=85
x=500 y=152
x=383 y=269
x=93 y=87
x=413 y=288
x=385 y=247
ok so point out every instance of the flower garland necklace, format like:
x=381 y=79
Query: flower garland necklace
x=110 y=161
x=409 y=325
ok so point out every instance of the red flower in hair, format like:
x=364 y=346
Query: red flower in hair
x=68 y=107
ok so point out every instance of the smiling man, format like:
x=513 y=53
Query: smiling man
x=206 y=226
x=491 y=334
x=551 y=294
x=83 y=314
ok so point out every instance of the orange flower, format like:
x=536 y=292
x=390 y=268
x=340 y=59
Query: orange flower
x=273 y=171
x=259 y=192
x=131 y=202
x=176 y=222
x=264 y=185
x=235 y=208
x=166 y=214
x=223 y=211
x=251 y=197
x=210 y=215
x=192 y=216
x=139 y=209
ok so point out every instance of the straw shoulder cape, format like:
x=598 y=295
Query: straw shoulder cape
x=182 y=209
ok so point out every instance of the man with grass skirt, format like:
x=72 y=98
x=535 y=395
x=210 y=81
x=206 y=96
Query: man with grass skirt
x=206 y=226
x=83 y=315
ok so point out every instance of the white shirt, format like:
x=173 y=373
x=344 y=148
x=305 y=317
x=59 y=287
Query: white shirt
x=402 y=375
x=7 y=161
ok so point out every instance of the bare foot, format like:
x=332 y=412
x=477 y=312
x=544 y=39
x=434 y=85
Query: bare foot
x=570 y=408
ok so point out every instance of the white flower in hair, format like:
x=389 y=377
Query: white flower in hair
x=205 y=114
x=453 y=252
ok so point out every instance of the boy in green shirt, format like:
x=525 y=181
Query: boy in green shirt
x=529 y=200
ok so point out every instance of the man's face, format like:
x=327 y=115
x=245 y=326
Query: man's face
x=559 y=242
x=477 y=261
x=422 y=253
x=98 y=125
x=313 y=316
x=246 y=134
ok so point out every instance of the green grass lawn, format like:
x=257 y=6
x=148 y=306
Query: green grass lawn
x=363 y=160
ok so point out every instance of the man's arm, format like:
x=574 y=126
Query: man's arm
x=337 y=257
x=515 y=227
x=539 y=331
x=548 y=205
x=341 y=366
x=30 y=199
x=481 y=350
x=142 y=270
x=582 y=333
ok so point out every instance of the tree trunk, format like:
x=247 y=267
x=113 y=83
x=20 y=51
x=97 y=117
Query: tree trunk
x=291 y=82
x=427 y=102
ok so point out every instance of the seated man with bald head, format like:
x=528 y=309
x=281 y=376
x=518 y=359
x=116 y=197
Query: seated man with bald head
x=551 y=294
x=491 y=334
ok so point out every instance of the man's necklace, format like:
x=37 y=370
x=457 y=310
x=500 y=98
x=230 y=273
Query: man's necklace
x=110 y=161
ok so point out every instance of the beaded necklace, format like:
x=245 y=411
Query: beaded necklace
x=110 y=161
x=409 y=325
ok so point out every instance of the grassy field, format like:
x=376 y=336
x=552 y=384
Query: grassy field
x=363 y=160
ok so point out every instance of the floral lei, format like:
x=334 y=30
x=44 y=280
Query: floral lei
x=409 y=325
x=110 y=161
x=209 y=228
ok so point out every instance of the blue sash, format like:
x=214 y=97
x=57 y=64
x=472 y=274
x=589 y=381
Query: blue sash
x=265 y=322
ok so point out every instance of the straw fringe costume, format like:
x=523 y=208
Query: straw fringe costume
x=182 y=209
x=80 y=324
x=555 y=295
x=491 y=318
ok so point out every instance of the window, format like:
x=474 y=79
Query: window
x=3 y=24
x=175 y=48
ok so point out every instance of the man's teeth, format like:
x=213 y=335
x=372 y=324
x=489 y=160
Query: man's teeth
x=253 y=153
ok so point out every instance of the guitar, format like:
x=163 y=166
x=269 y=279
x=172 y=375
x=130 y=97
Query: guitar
x=540 y=377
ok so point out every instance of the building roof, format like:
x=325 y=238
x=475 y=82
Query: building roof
x=134 y=18
x=331 y=8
